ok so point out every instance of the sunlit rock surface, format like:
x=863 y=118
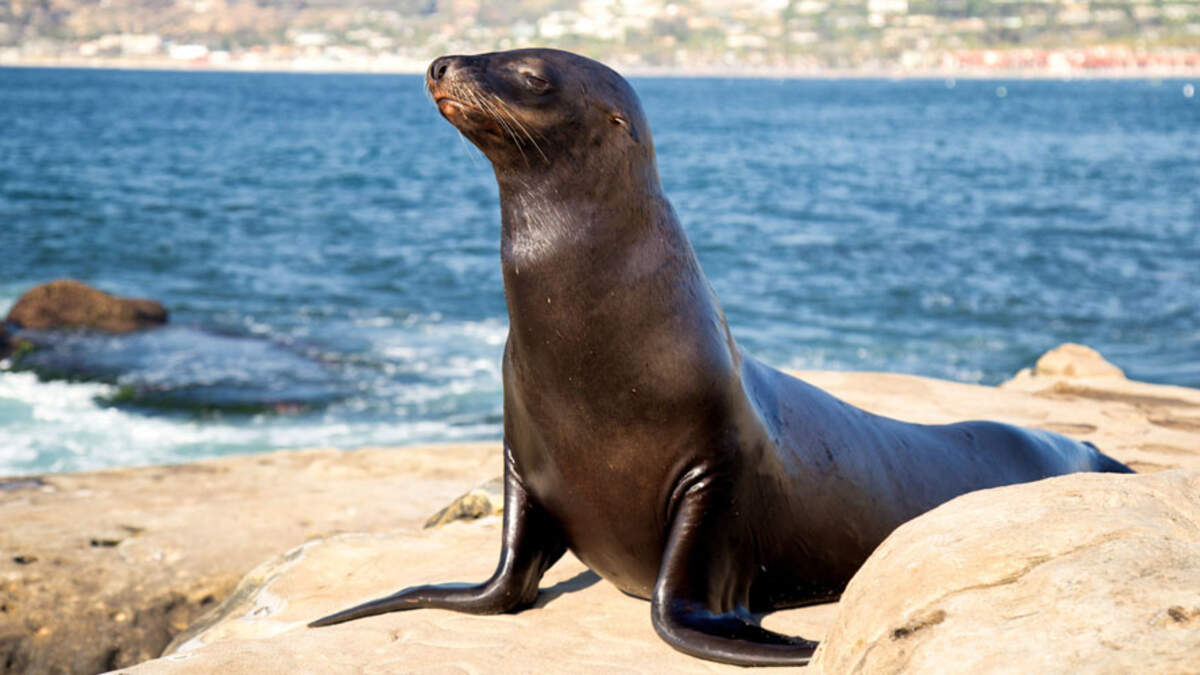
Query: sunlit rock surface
x=1095 y=573
x=100 y=570
x=579 y=622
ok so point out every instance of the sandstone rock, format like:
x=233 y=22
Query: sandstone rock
x=580 y=623
x=1094 y=573
x=100 y=570
x=1074 y=360
x=1069 y=361
x=66 y=303
x=486 y=499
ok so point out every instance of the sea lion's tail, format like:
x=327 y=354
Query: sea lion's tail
x=1106 y=464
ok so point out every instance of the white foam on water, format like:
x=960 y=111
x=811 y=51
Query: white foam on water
x=50 y=427
x=8 y=298
x=55 y=426
x=448 y=350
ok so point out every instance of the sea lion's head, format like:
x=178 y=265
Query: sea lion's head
x=537 y=109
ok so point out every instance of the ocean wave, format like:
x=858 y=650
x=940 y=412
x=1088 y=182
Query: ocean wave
x=56 y=426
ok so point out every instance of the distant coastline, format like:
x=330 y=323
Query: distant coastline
x=413 y=67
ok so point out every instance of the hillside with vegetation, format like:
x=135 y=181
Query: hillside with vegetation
x=796 y=35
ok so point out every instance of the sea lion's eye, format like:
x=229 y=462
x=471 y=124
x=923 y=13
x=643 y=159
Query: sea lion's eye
x=536 y=83
x=618 y=120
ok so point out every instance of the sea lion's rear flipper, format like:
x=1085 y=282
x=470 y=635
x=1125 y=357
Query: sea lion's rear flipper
x=1106 y=464
x=689 y=609
x=531 y=544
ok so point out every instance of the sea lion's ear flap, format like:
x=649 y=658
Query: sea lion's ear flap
x=617 y=119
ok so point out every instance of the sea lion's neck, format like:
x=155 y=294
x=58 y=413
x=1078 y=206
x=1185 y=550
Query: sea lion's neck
x=585 y=262
x=550 y=220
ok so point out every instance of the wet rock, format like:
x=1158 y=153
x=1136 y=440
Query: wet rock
x=67 y=303
x=6 y=346
x=1094 y=573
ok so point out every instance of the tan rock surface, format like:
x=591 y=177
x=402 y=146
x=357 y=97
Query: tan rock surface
x=1090 y=573
x=1074 y=360
x=580 y=623
x=100 y=570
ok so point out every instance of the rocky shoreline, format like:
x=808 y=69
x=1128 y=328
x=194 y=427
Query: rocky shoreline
x=102 y=570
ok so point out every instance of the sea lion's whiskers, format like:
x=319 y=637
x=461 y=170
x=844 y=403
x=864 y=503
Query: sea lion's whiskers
x=504 y=109
x=462 y=140
x=491 y=112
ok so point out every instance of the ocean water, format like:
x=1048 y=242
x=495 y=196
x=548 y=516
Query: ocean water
x=328 y=246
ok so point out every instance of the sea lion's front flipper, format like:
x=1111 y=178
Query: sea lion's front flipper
x=531 y=544
x=692 y=609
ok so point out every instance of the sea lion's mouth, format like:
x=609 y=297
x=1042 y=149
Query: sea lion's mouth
x=466 y=117
x=472 y=110
x=447 y=105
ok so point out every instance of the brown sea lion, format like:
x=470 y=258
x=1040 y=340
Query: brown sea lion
x=636 y=433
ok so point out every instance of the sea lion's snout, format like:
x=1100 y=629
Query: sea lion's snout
x=438 y=80
x=441 y=67
x=454 y=83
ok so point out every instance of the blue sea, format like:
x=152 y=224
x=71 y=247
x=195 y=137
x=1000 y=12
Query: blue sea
x=327 y=245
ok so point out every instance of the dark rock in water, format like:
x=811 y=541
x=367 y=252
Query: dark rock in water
x=29 y=483
x=11 y=346
x=67 y=303
x=175 y=369
x=182 y=369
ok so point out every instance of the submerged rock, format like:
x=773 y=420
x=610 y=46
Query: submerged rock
x=181 y=369
x=1094 y=573
x=67 y=303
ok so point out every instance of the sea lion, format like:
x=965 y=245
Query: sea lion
x=636 y=433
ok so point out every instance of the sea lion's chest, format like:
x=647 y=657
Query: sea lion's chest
x=609 y=495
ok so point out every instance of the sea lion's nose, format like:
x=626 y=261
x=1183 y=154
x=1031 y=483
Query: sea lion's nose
x=443 y=65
